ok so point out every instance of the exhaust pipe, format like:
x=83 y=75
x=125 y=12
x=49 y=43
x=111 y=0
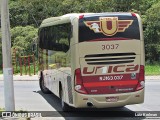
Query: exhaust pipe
x=89 y=104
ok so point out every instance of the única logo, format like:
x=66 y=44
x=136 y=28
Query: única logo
x=109 y=26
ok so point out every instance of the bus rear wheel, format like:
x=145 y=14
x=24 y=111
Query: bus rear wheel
x=42 y=87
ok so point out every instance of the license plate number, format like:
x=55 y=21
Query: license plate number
x=112 y=99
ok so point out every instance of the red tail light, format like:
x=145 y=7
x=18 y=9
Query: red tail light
x=78 y=82
x=81 y=16
x=134 y=14
x=141 y=82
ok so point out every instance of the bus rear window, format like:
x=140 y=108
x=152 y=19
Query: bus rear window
x=117 y=27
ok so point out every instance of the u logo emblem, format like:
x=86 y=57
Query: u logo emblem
x=109 y=25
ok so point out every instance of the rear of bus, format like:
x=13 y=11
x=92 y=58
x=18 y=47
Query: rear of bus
x=110 y=71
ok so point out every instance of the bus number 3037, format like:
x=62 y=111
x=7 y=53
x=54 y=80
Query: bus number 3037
x=110 y=46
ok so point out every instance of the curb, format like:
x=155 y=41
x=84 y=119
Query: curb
x=152 y=77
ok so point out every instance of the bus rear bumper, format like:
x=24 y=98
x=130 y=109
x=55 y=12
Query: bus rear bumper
x=100 y=101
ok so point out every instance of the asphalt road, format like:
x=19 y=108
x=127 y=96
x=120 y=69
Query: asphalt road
x=28 y=97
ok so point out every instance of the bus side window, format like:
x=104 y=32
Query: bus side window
x=58 y=41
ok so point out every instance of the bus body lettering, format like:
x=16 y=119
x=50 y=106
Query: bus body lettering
x=110 y=69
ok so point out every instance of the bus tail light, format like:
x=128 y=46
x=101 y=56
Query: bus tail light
x=81 y=16
x=78 y=82
x=141 y=82
x=134 y=14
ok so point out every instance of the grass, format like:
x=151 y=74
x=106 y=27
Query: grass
x=27 y=70
x=153 y=69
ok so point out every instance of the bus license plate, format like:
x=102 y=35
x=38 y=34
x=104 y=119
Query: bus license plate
x=112 y=99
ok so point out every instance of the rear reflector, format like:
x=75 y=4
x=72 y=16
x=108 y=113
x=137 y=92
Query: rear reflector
x=141 y=82
x=140 y=85
x=78 y=82
x=137 y=96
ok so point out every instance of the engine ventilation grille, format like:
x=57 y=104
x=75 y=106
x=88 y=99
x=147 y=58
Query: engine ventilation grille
x=110 y=58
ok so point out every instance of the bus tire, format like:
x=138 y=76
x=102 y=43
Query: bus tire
x=42 y=87
x=65 y=107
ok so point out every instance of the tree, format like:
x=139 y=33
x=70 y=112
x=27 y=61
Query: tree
x=22 y=38
x=18 y=14
x=152 y=33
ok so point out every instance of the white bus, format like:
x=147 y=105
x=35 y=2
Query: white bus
x=92 y=59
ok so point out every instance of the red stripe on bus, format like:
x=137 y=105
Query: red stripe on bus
x=96 y=84
x=122 y=25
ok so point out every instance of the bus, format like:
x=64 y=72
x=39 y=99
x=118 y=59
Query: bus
x=92 y=60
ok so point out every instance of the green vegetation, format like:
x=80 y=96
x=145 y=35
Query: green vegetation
x=22 y=39
x=1 y=109
x=26 y=16
x=153 y=69
x=27 y=70
x=23 y=70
